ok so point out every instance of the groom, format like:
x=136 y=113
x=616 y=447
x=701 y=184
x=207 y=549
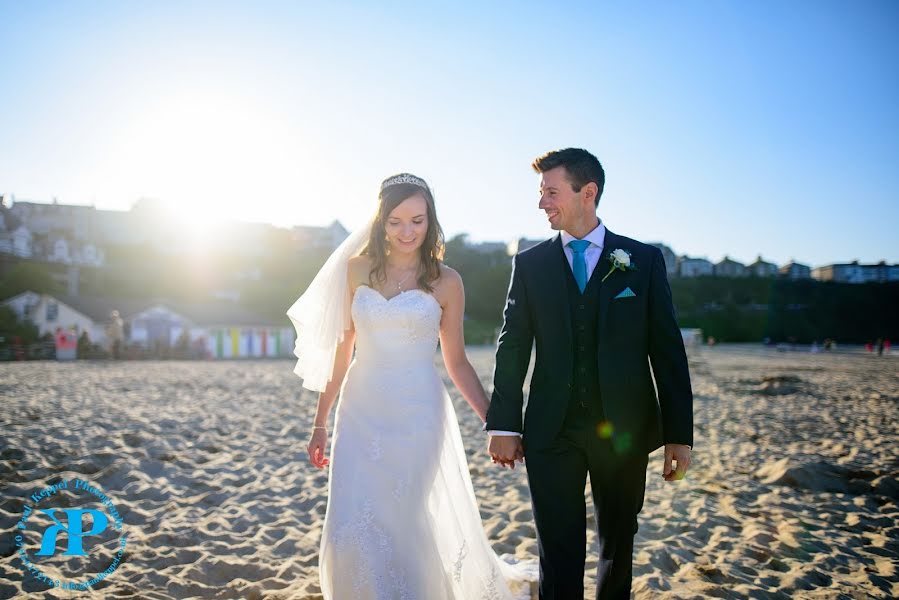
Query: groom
x=599 y=308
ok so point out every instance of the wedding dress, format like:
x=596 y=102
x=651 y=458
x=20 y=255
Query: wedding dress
x=402 y=521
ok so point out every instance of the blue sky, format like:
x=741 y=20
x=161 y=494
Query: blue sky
x=725 y=128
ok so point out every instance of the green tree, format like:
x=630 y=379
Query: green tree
x=11 y=326
x=29 y=276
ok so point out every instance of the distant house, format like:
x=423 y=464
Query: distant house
x=58 y=233
x=224 y=329
x=857 y=273
x=42 y=219
x=694 y=267
x=90 y=255
x=328 y=238
x=520 y=245
x=48 y=313
x=82 y=235
x=795 y=270
x=760 y=268
x=17 y=241
x=58 y=249
x=669 y=256
x=61 y=247
x=15 y=237
x=730 y=268
x=149 y=222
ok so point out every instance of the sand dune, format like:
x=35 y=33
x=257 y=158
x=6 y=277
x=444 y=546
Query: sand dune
x=792 y=493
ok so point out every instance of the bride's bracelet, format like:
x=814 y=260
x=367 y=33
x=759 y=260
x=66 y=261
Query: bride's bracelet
x=314 y=427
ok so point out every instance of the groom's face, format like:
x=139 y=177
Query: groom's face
x=564 y=207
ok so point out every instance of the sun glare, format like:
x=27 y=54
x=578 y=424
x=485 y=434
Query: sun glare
x=209 y=156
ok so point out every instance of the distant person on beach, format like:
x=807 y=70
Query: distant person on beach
x=115 y=334
x=84 y=345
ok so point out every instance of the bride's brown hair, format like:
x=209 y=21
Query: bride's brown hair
x=430 y=252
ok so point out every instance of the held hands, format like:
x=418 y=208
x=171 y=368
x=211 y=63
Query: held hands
x=505 y=450
x=316 y=448
x=680 y=454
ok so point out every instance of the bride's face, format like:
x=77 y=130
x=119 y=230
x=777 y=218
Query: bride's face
x=407 y=225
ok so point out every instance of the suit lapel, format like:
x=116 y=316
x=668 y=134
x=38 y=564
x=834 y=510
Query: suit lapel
x=556 y=275
x=605 y=288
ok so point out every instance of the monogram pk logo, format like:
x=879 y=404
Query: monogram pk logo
x=74 y=530
x=69 y=524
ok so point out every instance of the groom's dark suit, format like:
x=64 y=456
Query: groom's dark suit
x=592 y=406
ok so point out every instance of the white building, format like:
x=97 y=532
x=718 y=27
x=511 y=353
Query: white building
x=730 y=268
x=223 y=329
x=18 y=242
x=857 y=273
x=49 y=313
x=795 y=270
x=42 y=219
x=761 y=268
x=669 y=256
x=694 y=267
x=62 y=248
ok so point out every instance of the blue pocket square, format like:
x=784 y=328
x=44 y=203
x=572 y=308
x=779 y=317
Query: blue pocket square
x=625 y=293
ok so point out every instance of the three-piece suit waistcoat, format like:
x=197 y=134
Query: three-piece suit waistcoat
x=586 y=399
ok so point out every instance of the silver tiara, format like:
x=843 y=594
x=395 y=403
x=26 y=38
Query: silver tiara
x=404 y=178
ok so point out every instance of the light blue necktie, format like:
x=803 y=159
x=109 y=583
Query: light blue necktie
x=578 y=263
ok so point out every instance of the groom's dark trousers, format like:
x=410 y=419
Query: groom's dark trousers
x=592 y=407
x=557 y=477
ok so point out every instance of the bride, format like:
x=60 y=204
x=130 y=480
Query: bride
x=402 y=519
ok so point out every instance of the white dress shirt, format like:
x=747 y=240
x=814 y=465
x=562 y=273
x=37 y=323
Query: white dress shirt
x=591 y=255
x=596 y=237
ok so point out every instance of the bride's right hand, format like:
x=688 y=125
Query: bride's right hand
x=316 y=448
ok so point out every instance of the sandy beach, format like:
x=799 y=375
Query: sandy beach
x=792 y=492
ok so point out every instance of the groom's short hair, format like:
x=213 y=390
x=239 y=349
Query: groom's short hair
x=581 y=166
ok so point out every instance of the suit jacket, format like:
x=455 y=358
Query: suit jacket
x=635 y=332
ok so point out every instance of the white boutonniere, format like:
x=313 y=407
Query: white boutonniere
x=621 y=261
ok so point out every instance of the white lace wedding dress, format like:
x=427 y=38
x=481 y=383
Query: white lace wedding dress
x=402 y=521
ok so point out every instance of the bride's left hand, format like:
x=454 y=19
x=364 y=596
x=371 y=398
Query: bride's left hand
x=316 y=448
